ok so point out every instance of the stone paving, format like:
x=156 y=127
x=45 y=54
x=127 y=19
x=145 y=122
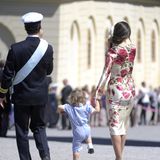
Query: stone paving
x=143 y=144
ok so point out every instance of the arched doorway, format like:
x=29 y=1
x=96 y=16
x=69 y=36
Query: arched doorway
x=6 y=39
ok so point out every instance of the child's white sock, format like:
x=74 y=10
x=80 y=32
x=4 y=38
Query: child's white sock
x=90 y=145
x=90 y=148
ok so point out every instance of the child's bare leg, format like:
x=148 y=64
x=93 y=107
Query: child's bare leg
x=90 y=145
x=89 y=140
x=76 y=155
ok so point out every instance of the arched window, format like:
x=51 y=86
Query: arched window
x=73 y=57
x=154 y=42
x=89 y=48
x=139 y=44
x=90 y=42
x=106 y=39
x=153 y=46
x=109 y=24
x=6 y=39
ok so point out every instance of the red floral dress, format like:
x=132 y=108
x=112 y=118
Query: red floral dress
x=117 y=73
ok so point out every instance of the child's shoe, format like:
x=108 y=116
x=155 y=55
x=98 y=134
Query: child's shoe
x=90 y=150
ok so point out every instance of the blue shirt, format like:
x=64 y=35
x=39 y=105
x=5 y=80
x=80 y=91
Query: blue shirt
x=78 y=115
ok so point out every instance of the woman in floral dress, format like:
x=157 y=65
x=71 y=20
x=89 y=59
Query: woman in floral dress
x=117 y=73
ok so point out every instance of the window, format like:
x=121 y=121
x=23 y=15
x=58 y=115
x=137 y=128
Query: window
x=90 y=36
x=139 y=44
x=73 y=57
x=89 y=48
x=6 y=39
x=106 y=40
x=109 y=25
x=153 y=46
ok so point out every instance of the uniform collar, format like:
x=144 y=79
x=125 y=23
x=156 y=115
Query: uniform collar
x=35 y=35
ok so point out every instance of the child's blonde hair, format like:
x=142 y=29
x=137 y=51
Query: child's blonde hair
x=77 y=97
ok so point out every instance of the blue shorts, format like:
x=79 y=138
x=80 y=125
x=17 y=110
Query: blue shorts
x=80 y=134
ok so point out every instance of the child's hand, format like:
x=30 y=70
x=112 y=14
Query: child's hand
x=94 y=100
x=60 y=109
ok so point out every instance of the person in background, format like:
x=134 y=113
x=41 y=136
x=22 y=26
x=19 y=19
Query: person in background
x=94 y=118
x=52 y=105
x=145 y=102
x=103 y=117
x=65 y=92
x=158 y=110
x=86 y=90
x=117 y=72
x=27 y=66
x=4 y=113
x=79 y=112
x=153 y=104
x=134 y=117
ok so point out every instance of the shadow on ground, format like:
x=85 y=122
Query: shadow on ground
x=104 y=141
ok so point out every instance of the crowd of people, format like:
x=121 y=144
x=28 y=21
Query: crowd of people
x=146 y=110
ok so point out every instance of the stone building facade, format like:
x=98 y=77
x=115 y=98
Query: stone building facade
x=78 y=31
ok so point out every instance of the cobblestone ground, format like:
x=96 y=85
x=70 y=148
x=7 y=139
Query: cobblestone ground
x=143 y=144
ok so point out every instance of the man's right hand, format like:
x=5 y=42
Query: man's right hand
x=1 y=102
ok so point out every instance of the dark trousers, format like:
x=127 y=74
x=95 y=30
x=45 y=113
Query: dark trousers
x=143 y=113
x=153 y=114
x=4 y=119
x=4 y=123
x=143 y=117
x=30 y=117
x=65 y=122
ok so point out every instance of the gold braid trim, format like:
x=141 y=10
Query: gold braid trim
x=2 y=90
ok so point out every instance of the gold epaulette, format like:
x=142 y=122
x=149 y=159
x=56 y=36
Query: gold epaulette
x=2 y=90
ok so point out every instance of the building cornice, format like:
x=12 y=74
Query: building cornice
x=139 y=2
x=135 y=2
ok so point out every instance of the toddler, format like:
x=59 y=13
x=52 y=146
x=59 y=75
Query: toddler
x=79 y=112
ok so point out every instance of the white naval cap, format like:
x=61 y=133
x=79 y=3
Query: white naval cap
x=32 y=17
x=53 y=85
